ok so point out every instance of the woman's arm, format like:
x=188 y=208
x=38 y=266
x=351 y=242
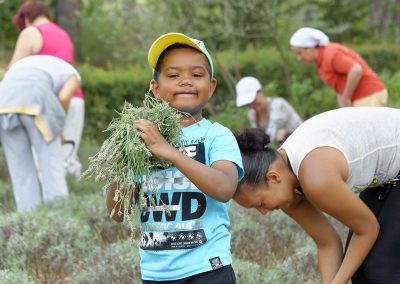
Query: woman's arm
x=29 y=42
x=68 y=90
x=322 y=174
x=218 y=181
x=324 y=235
x=353 y=78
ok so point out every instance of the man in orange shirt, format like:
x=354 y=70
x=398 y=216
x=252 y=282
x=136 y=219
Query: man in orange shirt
x=341 y=68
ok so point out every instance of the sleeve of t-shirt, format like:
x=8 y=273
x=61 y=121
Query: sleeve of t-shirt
x=70 y=70
x=278 y=117
x=290 y=113
x=223 y=146
x=342 y=63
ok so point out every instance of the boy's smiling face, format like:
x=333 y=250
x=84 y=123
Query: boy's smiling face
x=184 y=81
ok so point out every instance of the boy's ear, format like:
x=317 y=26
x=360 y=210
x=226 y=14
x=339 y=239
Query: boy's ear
x=213 y=85
x=273 y=177
x=154 y=88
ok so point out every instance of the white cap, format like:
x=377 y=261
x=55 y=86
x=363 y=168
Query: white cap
x=308 y=38
x=246 y=90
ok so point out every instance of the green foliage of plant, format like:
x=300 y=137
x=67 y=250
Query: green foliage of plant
x=106 y=91
x=95 y=266
x=270 y=242
x=124 y=159
x=350 y=20
x=380 y=58
x=266 y=249
x=248 y=272
x=230 y=116
x=6 y=193
x=393 y=84
x=309 y=101
x=9 y=32
x=77 y=241
x=16 y=276
x=47 y=252
x=275 y=237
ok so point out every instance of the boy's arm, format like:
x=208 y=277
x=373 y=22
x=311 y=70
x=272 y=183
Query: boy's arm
x=218 y=181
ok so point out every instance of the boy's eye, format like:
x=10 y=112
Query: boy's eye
x=197 y=74
x=172 y=75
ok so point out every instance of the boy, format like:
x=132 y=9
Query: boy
x=191 y=242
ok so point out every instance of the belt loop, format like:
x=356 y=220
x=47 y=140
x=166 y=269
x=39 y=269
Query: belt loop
x=383 y=195
x=389 y=186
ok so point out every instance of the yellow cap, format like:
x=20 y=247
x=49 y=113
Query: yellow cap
x=166 y=40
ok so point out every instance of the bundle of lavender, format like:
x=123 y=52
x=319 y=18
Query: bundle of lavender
x=124 y=159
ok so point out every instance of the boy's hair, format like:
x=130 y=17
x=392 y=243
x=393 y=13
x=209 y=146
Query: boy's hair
x=160 y=46
x=30 y=10
x=160 y=61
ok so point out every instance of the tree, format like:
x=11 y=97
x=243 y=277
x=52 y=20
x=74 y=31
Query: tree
x=67 y=15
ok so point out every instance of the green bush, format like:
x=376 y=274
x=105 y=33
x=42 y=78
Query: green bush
x=48 y=252
x=7 y=203
x=117 y=263
x=381 y=58
x=16 y=277
x=393 y=84
x=269 y=242
x=106 y=90
x=308 y=100
x=248 y=272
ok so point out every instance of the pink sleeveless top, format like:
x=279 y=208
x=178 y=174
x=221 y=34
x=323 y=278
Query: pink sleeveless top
x=56 y=42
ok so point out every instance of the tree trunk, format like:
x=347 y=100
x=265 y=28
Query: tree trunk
x=67 y=15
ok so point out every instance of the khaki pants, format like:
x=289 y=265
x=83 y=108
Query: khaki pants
x=73 y=131
x=376 y=99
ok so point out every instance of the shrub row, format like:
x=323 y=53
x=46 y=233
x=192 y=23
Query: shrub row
x=106 y=90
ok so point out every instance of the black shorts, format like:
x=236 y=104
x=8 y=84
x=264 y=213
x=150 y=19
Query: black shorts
x=382 y=264
x=223 y=275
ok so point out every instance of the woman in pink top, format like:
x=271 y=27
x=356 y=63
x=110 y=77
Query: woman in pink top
x=39 y=35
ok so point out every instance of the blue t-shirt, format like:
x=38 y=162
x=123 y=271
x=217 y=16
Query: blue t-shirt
x=193 y=236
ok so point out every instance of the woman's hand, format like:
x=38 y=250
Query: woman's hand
x=154 y=141
x=344 y=101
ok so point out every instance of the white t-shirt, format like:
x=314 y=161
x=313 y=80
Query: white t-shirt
x=58 y=69
x=280 y=115
x=368 y=137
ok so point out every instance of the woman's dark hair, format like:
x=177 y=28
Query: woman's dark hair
x=256 y=156
x=160 y=60
x=30 y=10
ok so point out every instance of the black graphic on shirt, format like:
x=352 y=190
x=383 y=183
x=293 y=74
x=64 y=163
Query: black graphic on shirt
x=216 y=263
x=172 y=240
x=182 y=205
x=184 y=199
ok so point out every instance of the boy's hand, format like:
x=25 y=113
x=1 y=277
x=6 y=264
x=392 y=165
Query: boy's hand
x=154 y=141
